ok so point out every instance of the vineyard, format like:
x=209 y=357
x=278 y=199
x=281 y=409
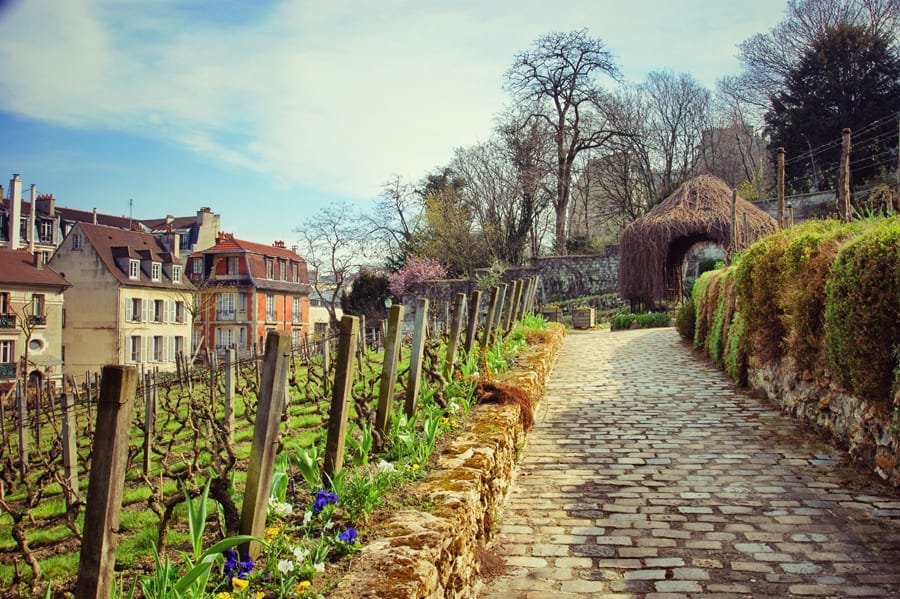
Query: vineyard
x=190 y=441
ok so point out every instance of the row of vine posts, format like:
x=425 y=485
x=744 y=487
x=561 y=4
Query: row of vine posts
x=118 y=390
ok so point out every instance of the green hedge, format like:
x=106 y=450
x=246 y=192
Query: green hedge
x=639 y=321
x=822 y=294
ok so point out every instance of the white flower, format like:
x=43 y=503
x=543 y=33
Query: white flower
x=329 y=525
x=453 y=407
x=384 y=466
x=299 y=553
x=285 y=566
x=307 y=517
x=320 y=567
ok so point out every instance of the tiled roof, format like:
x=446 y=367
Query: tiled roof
x=85 y=216
x=17 y=268
x=161 y=224
x=112 y=242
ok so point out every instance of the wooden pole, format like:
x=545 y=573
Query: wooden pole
x=455 y=331
x=106 y=483
x=340 y=399
x=844 y=178
x=779 y=186
x=265 y=438
x=733 y=246
x=420 y=331
x=22 y=404
x=70 y=440
x=488 y=332
x=516 y=308
x=149 y=417
x=790 y=209
x=230 y=380
x=389 y=370
x=472 y=326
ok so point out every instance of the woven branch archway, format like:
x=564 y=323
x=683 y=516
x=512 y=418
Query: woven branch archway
x=653 y=247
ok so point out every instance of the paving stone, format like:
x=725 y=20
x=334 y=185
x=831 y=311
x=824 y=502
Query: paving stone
x=665 y=482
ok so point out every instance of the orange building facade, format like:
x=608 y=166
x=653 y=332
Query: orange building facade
x=244 y=290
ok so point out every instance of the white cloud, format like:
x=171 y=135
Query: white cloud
x=330 y=95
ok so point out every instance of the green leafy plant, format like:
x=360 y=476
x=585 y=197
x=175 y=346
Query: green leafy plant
x=361 y=447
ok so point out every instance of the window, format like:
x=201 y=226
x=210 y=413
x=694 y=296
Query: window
x=76 y=241
x=46 y=231
x=295 y=337
x=4 y=227
x=135 y=348
x=282 y=270
x=7 y=351
x=4 y=303
x=196 y=338
x=198 y=266
x=135 y=315
x=225 y=306
x=38 y=305
x=176 y=274
x=296 y=309
x=321 y=328
x=270 y=268
x=158 y=349
x=232 y=265
x=179 y=311
x=242 y=337
x=178 y=345
x=270 y=307
x=224 y=338
x=158 y=308
x=242 y=306
x=134 y=269
x=155 y=271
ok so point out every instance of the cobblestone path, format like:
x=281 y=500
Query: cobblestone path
x=648 y=475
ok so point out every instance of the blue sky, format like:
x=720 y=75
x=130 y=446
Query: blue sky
x=266 y=111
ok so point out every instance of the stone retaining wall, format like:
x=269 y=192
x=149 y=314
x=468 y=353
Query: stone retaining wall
x=434 y=553
x=863 y=428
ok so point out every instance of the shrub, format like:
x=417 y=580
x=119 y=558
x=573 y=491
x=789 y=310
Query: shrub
x=806 y=264
x=639 y=321
x=684 y=320
x=862 y=311
x=704 y=289
x=415 y=270
x=736 y=352
x=759 y=279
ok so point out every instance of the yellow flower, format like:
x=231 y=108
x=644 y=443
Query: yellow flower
x=415 y=467
x=260 y=595
x=302 y=586
x=445 y=420
x=239 y=584
x=223 y=595
x=272 y=532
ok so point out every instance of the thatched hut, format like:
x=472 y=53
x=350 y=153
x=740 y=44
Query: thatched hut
x=653 y=247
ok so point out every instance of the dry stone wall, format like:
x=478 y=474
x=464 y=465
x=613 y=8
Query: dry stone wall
x=433 y=551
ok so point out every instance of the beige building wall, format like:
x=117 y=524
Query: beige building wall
x=160 y=319
x=45 y=345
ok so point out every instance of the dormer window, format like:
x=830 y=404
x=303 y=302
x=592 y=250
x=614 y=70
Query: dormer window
x=155 y=271
x=176 y=274
x=76 y=241
x=134 y=269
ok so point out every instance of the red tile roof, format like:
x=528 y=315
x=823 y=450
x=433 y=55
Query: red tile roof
x=17 y=268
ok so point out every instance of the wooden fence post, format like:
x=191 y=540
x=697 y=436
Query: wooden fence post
x=844 y=177
x=22 y=404
x=149 y=418
x=455 y=331
x=415 y=359
x=501 y=310
x=340 y=399
x=779 y=186
x=106 y=483
x=230 y=376
x=265 y=438
x=517 y=302
x=389 y=370
x=472 y=325
x=70 y=440
x=488 y=332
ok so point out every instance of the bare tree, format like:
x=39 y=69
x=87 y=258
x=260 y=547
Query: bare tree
x=334 y=241
x=557 y=83
x=397 y=215
x=769 y=57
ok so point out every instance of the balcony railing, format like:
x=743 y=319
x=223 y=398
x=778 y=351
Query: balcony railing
x=224 y=314
x=7 y=321
x=7 y=370
x=37 y=319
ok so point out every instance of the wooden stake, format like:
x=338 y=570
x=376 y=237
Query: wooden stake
x=417 y=353
x=389 y=370
x=340 y=400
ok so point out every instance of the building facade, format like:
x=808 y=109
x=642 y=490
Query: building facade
x=246 y=289
x=129 y=302
x=31 y=318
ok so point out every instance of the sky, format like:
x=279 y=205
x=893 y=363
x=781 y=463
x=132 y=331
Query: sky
x=268 y=111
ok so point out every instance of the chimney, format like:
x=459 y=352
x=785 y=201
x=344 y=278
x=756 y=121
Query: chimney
x=15 y=211
x=31 y=219
x=172 y=242
x=47 y=204
x=95 y=216
x=38 y=260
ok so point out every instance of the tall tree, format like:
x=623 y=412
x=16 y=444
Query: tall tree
x=557 y=82
x=849 y=77
x=769 y=57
